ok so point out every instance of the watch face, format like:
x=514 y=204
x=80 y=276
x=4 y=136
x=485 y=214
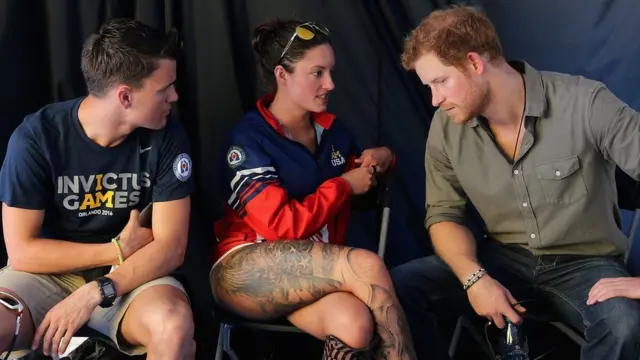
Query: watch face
x=109 y=290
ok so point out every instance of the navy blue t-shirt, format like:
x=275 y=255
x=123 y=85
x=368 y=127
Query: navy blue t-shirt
x=88 y=191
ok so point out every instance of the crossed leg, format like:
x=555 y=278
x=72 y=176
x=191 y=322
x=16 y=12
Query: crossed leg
x=269 y=280
x=339 y=314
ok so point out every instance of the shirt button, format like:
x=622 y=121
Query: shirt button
x=525 y=204
x=533 y=236
x=516 y=172
x=557 y=172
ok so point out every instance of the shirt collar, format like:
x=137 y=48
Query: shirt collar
x=535 y=99
x=323 y=119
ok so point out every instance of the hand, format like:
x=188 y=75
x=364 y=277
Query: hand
x=134 y=237
x=605 y=289
x=64 y=319
x=360 y=179
x=381 y=157
x=492 y=300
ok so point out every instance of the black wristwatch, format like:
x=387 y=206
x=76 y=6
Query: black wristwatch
x=107 y=290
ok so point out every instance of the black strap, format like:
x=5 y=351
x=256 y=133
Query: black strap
x=13 y=343
x=15 y=337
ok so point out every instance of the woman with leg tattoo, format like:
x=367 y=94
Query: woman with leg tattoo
x=291 y=171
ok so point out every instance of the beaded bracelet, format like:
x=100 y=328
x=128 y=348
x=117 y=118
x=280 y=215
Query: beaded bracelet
x=474 y=278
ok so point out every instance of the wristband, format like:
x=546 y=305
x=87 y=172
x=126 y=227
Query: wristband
x=119 y=249
x=474 y=278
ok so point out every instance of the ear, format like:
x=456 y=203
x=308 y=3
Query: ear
x=125 y=96
x=475 y=63
x=281 y=75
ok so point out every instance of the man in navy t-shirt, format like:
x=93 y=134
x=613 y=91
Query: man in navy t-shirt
x=74 y=179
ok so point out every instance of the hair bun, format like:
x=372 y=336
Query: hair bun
x=261 y=34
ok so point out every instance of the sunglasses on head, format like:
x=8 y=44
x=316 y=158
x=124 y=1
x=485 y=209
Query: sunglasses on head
x=306 y=31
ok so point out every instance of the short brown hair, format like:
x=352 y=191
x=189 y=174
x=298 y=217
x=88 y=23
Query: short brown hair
x=451 y=34
x=125 y=51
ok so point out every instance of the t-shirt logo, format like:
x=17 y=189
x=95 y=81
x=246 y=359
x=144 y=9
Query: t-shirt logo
x=235 y=156
x=336 y=157
x=99 y=194
x=182 y=167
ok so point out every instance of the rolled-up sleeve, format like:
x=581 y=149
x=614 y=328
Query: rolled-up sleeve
x=616 y=130
x=446 y=200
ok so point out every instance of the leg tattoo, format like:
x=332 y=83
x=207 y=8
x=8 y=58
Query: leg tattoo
x=279 y=276
x=283 y=276
x=391 y=325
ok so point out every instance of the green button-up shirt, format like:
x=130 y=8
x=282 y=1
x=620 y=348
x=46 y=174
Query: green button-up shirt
x=559 y=196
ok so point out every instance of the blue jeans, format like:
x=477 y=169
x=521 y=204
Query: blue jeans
x=427 y=287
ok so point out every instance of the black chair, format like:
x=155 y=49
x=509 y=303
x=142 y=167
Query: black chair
x=228 y=321
x=628 y=199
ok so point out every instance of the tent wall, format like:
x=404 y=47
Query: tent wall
x=40 y=43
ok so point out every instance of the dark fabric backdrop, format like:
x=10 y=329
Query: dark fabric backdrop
x=40 y=44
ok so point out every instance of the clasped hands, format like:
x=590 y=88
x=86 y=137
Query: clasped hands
x=371 y=162
x=380 y=157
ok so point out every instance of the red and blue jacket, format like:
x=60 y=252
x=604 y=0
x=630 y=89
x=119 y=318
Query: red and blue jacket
x=277 y=189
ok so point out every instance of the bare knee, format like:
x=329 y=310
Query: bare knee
x=171 y=324
x=367 y=265
x=350 y=320
x=175 y=320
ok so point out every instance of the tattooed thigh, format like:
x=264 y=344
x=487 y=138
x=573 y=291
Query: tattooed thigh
x=273 y=279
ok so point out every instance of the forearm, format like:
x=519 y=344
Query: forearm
x=455 y=244
x=153 y=261
x=48 y=256
x=274 y=216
